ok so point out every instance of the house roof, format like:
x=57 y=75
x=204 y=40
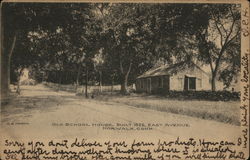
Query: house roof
x=169 y=69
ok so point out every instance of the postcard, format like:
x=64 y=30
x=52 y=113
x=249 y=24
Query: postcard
x=124 y=80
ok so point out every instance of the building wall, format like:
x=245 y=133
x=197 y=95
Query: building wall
x=158 y=84
x=202 y=79
x=175 y=82
x=24 y=75
x=141 y=85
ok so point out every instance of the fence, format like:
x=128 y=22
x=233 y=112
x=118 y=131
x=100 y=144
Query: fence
x=81 y=89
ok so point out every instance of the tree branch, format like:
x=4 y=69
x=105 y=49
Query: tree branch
x=221 y=35
x=13 y=45
x=222 y=26
x=230 y=9
x=217 y=63
x=202 y=38
x=218 y=28
x=210 y=61
x=226 y=42
x=230 y=32
x=229 y=41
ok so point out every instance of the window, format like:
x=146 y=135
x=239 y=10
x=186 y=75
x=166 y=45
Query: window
x=141 y=83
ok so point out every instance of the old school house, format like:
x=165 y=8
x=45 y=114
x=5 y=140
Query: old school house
x=178 y=77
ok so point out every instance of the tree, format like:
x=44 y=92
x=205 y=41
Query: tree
x=132 y=37
x=139 y=35
x=98 y=64
x=85 y=35
x=18 y=19
x=219 y=42
x=22 y=19
x=126 y=38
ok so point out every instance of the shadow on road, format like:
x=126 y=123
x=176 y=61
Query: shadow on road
x=33 y=99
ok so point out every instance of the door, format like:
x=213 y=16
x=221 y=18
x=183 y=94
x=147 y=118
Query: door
x=192 y=83
x=186 y=84
x=189 y=83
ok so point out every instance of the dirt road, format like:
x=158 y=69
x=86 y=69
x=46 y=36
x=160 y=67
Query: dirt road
x=40 y=112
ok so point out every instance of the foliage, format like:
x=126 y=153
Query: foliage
x=201 y=95
x=62 y=41
x=219 y=42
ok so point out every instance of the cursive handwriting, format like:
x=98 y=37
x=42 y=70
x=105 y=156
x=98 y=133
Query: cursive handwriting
x=84 y=149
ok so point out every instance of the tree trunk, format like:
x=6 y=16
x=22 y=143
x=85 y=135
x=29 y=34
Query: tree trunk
x=10 y=55
x=18 y=90
x=43 y=77
x=61 y=76
x=124 y=82
x=4 y=90
x=60 y=80
x=66 y=77
x=77 y=77
x=112 y=85
x=100 y=81
x=86 y=82
x=213 y=86
x=5 y=67
x=124 y=85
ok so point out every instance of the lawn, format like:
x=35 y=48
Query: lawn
x=221 y=111
x=226 y=112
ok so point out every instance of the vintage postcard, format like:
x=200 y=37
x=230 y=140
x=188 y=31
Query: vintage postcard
x=124 y=80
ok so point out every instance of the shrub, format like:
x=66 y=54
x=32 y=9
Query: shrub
x=204 y=95
x=160 y=91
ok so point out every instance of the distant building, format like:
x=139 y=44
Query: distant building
x=177 y=77
x=25 y=78
x=24 y=75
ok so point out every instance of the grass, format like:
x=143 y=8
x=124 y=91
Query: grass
x=226 y=112
x=221 y=111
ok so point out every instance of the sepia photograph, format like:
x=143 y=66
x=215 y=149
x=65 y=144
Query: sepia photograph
x=124 y=80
